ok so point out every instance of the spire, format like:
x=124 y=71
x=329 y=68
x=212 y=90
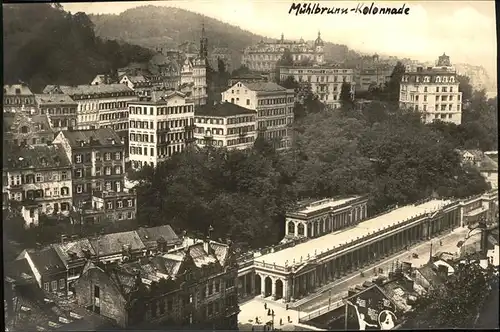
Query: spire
x=319 y=34
x=282 y=37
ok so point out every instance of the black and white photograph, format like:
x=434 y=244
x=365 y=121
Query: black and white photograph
x=250 y=165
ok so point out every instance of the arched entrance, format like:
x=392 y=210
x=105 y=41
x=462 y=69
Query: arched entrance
x=300 y=229
x=291 y=227
x=279 y=289
x=258 y=282
x=268 y=287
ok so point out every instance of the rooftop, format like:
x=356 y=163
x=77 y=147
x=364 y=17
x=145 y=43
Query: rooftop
x=47 y=261
x=17 y=89
x=329 y=203
x=88 y=89
x=101 y=136
x=114 y=243
x=159 y=233
x=158 y=97
x=36 y=157
x=43 y=99
x=13 y=120
x=363 y=229
x=264 y=87
x=223 y=109
x=75 y=248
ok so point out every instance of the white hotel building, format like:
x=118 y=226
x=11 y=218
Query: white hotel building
x=161 y=124
x=433 y=92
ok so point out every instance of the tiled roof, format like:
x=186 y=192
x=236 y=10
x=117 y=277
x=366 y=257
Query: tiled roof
x=11 y=89
x=137 y=79
x=59 y=99
x=114 y=243
x=102 y=136
x=66 y=250
x=89 y=89
x=37 y=157
x=169 y=263
x=430 y=275
x=223 y=110
x=150 y=236
x=488 y=165
x=247 y=76
x=200 y=256
x=12 y=120
x=221 y=251
x=47 y=261
x=264 y=87
x=19 y=270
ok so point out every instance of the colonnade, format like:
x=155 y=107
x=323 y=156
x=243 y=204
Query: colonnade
x=327 y=224
x=327 y=269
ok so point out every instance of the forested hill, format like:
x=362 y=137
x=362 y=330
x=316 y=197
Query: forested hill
x=153 y=26
x=43 y=45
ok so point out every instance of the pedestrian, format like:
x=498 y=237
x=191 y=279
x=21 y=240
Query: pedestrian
x=265 y=306
x=253 y=328
x=281 y=321
x=287 y=306
x=289 y=321
x=257 y=320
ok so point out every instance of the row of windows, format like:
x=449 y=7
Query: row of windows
x=34 y=140
x=427 y=79
x=174 y=137
x=275 y=111
x=38 y=177
x=48 y=192
x=244 y=130
x=88 y=157
x=108 y=186
x=113 y=116
x=116 y=126
x=325 y=79
x=125 y=216
x=64 y=123
x=138 y=150
x=18 y=101
x=241 y=140
x=36 y=127
x=104 y=95
x=275 y=101
x=141 y=138
x=276 y=134
x=108 y=170
x=113 y=105
x=58 y=110
x=161 y=110
x=272 y=123
x=443 y=89
x=120 y=204
x=437 y=108
x=52 y=287
x=167 y=151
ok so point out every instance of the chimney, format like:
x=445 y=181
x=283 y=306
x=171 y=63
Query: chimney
x=206 y=246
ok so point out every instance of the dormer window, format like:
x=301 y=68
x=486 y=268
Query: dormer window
x=438 y=79
x=18 y=91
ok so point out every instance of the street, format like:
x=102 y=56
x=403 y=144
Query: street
x=339 y=289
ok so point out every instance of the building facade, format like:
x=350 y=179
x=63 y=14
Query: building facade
x=23 y=129
x=433 y=92
x=290 y=271
x=161 y=124
x=38 y=177
x=18 y=97
x=274 y=106
x=264 y=56
x=325 y=216
x=100 y=106
x=225 y=125
x=98 y=158
x=369 y=78
x=194 y=80
x=324 y=81
x=223 y=54
x=247 y=78
x=60 y=108
x=193 y=285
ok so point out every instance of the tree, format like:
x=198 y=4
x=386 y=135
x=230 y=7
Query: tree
x=346 y=97
x=290 y=83
x=221 y=66
x=455 y=303
x=465 y=87
x=286 y=59
x=243 y=69
x=393 y=86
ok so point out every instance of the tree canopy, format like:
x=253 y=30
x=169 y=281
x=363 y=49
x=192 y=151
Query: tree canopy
x=45 y=45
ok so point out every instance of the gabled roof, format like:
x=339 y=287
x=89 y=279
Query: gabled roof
x=149 y=236
x=264 y=86
x=223 y=109
x=73 y=248
x=114 y=243
x=54 y=99
x=36 y=157
x=488 y=165
x=11 y=89
x=19 y=270
x=13 y=120
x=47 y=261
x=101 y=136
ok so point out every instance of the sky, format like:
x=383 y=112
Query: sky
x=465 y=30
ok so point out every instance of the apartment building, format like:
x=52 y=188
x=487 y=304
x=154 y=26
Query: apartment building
x=38 y=177
x=161 y=124
x=274 y=106
x=433 y=92
x=99 y=106
x=18 y=97
x=324 y=81
x=98 y=157
x=60 y=108
x=191 y=286
x=225 y=125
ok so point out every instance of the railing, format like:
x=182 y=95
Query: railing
x=321 y=311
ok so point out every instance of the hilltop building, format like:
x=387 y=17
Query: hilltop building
x=433 y=92
x=264 y=56
x=273 y=105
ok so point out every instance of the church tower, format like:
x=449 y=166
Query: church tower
x=203 y=44
x=319 y=49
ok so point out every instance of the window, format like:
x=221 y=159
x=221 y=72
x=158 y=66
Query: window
x=118 y=169
x=46 y=287
x=56 y=191
x=78 y=158
x=110 y=205
x=54 y=286
x=38 y=177
x=79 y=189
x=107 y=156
x=61 y=284
x=107 y=186
x=78 y=173
x=119 y=204
x=130 y=203
x=117 y=156
x=217 y=286
x=107 y=170
x=248 y=101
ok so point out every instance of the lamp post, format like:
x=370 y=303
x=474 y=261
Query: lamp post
x=271 y=313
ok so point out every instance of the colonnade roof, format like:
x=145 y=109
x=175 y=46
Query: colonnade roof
x=363 y=229
x=323 y=204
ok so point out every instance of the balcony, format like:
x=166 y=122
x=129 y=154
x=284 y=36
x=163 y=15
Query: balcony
x=190 y=128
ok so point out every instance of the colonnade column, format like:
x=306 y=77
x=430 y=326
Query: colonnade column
x=262 y=285
x=273 y=288
x=286 y=290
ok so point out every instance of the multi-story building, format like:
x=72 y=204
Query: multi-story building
x=223 y=54
x=433 y=92
x=98 y=157
x=369 y=78
x=225 y=125
x=17 y=97
x=192 y=285
x=138 y=83
x=274 y=106
x=100 y=106
x=21 y=128
x=39 y=177
x=324 y=81
x=194 y=80
x=263 y=56
x=60 y=108
x=161 y=124
x=247 y=78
